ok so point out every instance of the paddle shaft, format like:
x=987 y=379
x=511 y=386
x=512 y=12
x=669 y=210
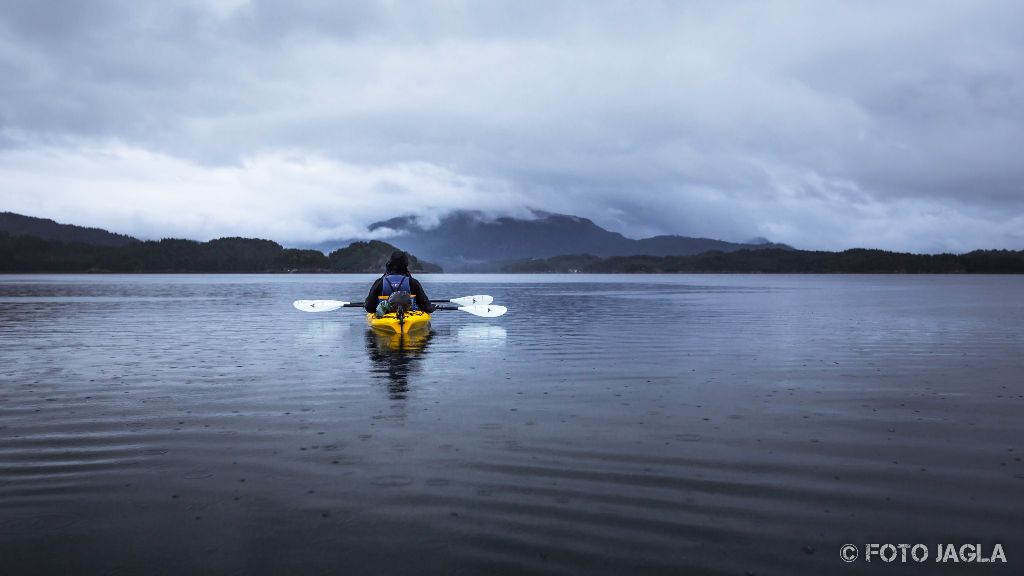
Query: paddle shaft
x=436 y=307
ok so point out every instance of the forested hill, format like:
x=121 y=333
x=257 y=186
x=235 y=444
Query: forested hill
x=854 y=261
x=95 y=250
x=372 y=256
x=19 y=225
x=31 y=254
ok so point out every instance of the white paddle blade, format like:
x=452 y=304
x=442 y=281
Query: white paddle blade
x=318 y=305
x=472 y=300
x=485 y=310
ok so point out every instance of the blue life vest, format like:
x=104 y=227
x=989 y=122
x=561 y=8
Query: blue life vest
x=391 y=283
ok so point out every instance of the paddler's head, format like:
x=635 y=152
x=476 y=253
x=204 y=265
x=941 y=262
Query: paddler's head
x=398 y=263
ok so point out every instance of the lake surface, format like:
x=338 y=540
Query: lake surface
x=606 y=425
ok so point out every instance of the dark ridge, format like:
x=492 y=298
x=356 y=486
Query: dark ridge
x=485 y=246
x=372 y=256
x=19 y=225
x=786 y=261
x=32 y=254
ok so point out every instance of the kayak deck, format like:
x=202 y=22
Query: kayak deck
x=389 y=324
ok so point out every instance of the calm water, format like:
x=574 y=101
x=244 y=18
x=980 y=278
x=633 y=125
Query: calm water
x=606 y=425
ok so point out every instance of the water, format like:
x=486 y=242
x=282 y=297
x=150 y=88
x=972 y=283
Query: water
x=606 y=425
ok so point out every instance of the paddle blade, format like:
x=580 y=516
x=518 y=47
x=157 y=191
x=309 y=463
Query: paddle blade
x=318 y=305
x=472 y=300
x=485 y=310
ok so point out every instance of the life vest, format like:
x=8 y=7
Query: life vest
x=391 y=283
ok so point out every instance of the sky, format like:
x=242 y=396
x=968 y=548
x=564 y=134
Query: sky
x=822 y=124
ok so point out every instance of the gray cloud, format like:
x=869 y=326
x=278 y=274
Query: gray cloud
x=822 y=124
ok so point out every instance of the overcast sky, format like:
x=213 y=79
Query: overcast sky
x=897 y=125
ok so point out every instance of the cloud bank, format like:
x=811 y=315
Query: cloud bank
x=821 y=124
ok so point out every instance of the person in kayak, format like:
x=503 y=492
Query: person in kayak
x=396 y=278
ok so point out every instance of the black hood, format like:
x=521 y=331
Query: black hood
x=399 y=263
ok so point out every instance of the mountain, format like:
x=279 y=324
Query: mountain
x=20 y=252
x=38 y=245
x=234 y=255
x=466 y=240
x=372 y=257
x=32 y=254
x=18 y=225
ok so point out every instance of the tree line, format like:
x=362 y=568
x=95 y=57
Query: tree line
x=31 y=254
x=768 y=261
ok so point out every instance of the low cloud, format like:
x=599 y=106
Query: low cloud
x=822 y=124
x=289 y=197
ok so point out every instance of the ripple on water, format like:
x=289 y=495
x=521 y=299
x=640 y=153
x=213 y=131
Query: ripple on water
x=771 y=416
x=391 y=481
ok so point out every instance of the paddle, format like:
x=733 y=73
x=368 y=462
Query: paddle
x=483 y=310
x=468 y=300
x=323 y=305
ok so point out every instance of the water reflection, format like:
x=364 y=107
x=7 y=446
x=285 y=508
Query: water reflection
x=479 y=336
x=396 y=357
x=323 y=331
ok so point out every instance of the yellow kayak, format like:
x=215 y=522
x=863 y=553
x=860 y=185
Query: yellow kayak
x=389 y=324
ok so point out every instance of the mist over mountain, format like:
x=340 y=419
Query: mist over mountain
x=90 y=251
x=469 y=240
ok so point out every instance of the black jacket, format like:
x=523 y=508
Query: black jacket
x=377 y=290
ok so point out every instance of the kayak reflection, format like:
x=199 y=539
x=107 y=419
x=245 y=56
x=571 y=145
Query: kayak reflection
x=396 y=357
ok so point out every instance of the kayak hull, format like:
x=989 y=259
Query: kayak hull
x=414 y=321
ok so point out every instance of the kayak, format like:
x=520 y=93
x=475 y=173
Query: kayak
x=388 y=324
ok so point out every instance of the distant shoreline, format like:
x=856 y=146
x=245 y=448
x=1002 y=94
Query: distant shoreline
x=24 y=254
x=33 y=245
x=493 y=273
